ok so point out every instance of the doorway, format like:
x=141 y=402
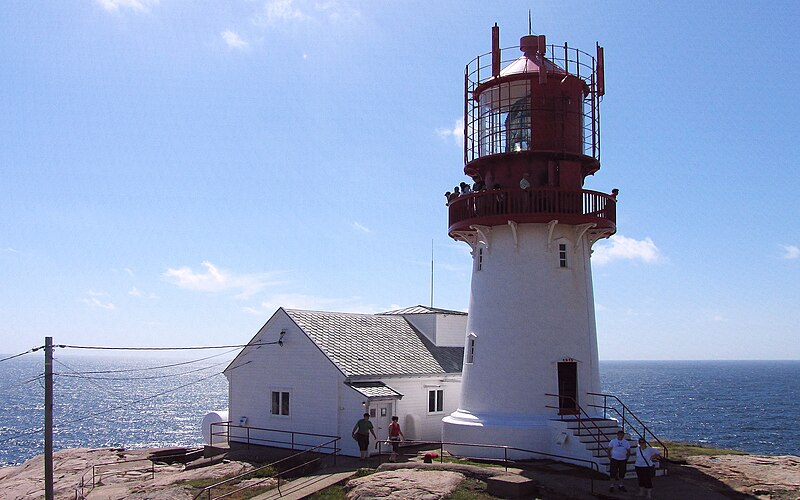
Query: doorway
x=568 y=388
x=382 y=418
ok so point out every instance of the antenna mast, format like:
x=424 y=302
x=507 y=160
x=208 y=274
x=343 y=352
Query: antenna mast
x=530 y=28
x=431 y=273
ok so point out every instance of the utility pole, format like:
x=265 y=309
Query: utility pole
x=48 y=418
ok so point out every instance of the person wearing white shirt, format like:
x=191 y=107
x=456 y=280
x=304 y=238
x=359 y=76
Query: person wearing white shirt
x=645 y=467
x=619 y=449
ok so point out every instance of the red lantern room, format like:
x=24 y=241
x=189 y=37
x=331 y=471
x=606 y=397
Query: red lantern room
x=533 y=116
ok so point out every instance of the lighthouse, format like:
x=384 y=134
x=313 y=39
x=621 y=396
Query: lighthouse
x=531 y=137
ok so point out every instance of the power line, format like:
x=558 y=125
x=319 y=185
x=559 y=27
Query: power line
x=102 y=388
x=22 y=434
x=120 y=407
x=127 y=370
x=22 y=353
x=82 y=376
x=7 y=387
x=188 y=348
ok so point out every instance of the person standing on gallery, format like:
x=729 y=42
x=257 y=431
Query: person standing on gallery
x=361 y=432
x=395 y=436
x=619 y=450
x=646 y=467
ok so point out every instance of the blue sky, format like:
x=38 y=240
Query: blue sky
x=173 y=171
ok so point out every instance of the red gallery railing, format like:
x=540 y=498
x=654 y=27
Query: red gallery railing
x=492 y=207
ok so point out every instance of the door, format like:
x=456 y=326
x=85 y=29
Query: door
x=383 y=416
x=568 y=388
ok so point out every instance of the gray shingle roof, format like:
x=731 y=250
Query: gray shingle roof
x=375 y=344
x=420 y=309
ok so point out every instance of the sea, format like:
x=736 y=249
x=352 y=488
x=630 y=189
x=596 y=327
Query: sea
x=137 y=402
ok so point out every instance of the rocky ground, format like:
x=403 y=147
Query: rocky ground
x=701 y=477
x=120 y=473
x=773 y=477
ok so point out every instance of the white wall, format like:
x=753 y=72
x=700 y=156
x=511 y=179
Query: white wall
x=298 y=367
x=412 y=410
x=451 y=330
x=528 y=314
x=425 y=323
x=444 y=330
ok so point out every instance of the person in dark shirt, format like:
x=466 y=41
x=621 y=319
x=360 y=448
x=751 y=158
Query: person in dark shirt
x=361 y=432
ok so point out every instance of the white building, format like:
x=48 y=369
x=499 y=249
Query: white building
x=318 y=372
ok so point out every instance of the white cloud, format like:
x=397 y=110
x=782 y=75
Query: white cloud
x=234 y=41
x=285 y=11
x=93 y=301
x=338 y=11
x=360 y=227
x=456 y=132
x=135 y=292
x=621 y=247
x=116 y=5
x=717 y=317
x=312 y=302
x=791 y=251
x=217 y=280
x=281 y=10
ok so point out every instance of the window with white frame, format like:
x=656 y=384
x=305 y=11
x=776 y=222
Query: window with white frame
x=435 y=400
x=280 y=403
x=479 y=259
x=562 y=255
x=471 y=348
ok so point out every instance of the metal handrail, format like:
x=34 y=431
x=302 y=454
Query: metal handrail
x=580 y=421
x=79 y=490
x=592 y=465
x=625 y=409
x=592 y=205
x=238 y=477
x=254 y=440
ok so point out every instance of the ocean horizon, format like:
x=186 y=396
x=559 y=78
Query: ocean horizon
x=145 y=401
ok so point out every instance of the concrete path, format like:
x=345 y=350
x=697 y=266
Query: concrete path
x=307 y=485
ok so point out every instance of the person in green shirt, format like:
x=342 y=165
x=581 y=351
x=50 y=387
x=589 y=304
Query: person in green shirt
x=361 y=432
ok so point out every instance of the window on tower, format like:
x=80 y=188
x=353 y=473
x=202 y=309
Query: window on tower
x=479 y=259
x=502 y=119
x=562 y=255
x=471 y=348
x=518 y=125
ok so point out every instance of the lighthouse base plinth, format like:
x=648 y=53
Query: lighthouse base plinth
x=524 y=433
x=515 y=437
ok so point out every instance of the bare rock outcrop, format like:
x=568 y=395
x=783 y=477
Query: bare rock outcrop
x=757 y=475
x=404 y=484
x=117 y=474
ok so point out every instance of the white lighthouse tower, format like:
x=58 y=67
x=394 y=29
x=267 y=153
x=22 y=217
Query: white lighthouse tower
x=531 y=138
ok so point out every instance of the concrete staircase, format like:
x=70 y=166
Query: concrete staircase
x=594 y=435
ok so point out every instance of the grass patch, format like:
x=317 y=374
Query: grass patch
x=199 y=484
x=365 y=471
x=470 y=489
x=680 y=450
x=332 y=493
x=463 y=461
x=262 y=473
